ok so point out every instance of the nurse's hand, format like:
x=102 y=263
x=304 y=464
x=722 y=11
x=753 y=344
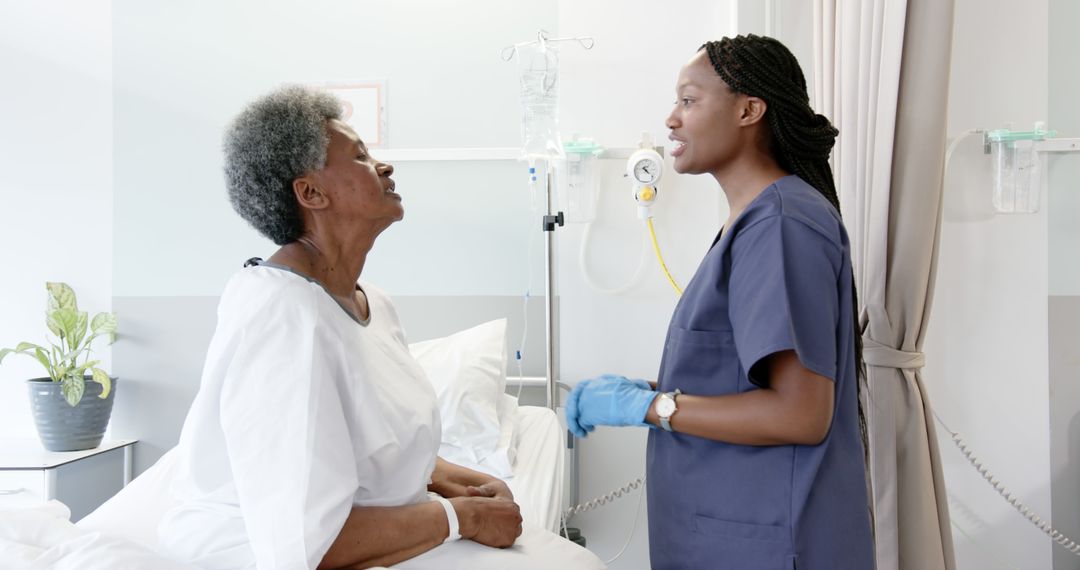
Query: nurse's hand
x=608 y=400
x=489 y=521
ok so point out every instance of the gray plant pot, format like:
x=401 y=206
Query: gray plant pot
x=64 y=428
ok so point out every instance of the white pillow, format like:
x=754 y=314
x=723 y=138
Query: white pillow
x=501 y=462
x=468 y=372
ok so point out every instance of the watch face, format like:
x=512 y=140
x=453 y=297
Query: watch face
x=646 y=171
x=665 y=407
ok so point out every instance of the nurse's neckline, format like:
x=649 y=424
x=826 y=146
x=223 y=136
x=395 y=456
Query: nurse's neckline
x=720 y=234
x=258 y=261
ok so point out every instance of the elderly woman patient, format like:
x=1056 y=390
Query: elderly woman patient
x=312 y=441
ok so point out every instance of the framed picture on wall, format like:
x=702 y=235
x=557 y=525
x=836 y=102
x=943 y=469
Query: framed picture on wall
x=363 y=108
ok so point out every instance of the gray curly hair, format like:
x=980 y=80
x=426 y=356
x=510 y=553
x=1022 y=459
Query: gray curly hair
x=275 y=140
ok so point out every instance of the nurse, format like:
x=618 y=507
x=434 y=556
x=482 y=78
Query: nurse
x=757 y=459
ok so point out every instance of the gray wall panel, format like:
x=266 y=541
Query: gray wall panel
x=1063 y=171
x=159 y=359
x=1065 y=423
x=1063 y=212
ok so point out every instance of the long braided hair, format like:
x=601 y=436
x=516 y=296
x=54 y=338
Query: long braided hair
x=801 y=139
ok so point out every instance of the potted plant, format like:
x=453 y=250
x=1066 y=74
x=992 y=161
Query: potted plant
x=73 y=404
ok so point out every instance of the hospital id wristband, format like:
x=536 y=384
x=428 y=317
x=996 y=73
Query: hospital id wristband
x=451 y=519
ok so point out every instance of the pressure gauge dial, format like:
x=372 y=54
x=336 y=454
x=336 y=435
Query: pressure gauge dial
x=645 y=167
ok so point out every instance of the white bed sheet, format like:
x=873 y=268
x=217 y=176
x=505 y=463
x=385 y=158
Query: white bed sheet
x=42 y=537
x=535 y=549
x=136 y=510
x=537 y=485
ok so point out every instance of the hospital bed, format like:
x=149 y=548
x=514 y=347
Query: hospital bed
x=122 y=533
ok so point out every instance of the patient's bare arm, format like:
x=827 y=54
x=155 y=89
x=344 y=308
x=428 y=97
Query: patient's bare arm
x=452 y=480
x=383 y=536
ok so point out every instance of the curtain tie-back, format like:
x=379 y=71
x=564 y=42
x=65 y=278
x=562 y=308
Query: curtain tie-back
x=877 y=354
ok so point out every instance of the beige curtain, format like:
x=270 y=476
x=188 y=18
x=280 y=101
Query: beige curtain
x=881 y=70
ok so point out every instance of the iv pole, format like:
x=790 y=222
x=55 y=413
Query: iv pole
x=551 y=220
x=549 y=224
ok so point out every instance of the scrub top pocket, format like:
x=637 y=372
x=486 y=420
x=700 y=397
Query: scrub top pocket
x=744 y=546
x=700 y=362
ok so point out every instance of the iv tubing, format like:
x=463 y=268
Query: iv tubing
x=952 y=146
x=519 y=354
x=656 y=247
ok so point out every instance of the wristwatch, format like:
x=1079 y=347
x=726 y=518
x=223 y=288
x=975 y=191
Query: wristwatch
x=665 y=408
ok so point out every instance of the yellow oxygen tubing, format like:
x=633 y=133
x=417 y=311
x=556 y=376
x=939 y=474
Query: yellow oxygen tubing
x=660 y=257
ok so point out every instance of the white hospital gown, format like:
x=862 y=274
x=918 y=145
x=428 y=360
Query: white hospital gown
x=302 y=413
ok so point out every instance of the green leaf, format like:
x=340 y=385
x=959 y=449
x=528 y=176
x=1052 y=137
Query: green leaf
x=53 y=324
x=61 y=296
x=79 y=332
x=105 y=323
x=54 y=357
x=24 y=346
x=65 y=320
x=82 y=368
x=43 y=358
x=106 y=383
x=73 y=387
x=31 y=350
x=70 y=320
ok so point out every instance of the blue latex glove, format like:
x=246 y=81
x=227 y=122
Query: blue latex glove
x=608 y=401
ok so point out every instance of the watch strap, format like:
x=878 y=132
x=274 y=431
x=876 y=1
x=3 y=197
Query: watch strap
x=665 y=422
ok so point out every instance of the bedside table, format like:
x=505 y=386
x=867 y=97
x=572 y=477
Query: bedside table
x=82 y=480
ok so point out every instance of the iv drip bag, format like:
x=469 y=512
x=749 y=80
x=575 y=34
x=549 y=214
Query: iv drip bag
x=538 y=68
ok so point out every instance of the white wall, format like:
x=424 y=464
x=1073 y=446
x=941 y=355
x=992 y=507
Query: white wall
x=177 y=238
x=181 y=73
x=176 y=91
x=56 y=191
x=626 y=85
x=987 y=345
x=986 y=349
x=625 y=334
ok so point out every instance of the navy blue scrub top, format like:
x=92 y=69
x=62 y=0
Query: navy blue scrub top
x=778 y=279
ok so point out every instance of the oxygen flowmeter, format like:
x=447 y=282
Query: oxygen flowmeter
x=644 y=168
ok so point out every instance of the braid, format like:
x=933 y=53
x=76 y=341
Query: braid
x=801 y=139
